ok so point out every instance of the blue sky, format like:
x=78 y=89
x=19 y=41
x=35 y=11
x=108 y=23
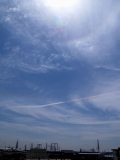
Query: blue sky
x=60 y=72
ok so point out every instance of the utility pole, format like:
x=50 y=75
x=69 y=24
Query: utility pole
x=31 y=147
x=39 y=146
x=54 y=147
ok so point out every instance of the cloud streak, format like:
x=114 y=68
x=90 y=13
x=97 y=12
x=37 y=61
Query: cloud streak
x=77 y=100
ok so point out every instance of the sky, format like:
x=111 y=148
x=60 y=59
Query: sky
x=60 y=72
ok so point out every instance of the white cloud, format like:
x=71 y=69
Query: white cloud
x=63 y=113
x=108 y=67
x=97 y=44
x=88 y=45
x=110 y=101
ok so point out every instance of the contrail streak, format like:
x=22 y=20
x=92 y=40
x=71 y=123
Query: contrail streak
x=75 y=100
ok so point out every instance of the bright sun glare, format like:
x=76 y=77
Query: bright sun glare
x=61 y=6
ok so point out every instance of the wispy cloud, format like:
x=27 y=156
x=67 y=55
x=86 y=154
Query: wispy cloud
x=107 y=67
x=67 y=111
x=60 y=76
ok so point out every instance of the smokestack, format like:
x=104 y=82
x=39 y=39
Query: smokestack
x=25 y=147
x=17 y=145
x=98 y=146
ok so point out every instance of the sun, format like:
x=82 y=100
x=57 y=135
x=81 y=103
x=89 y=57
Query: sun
x=61 y=6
